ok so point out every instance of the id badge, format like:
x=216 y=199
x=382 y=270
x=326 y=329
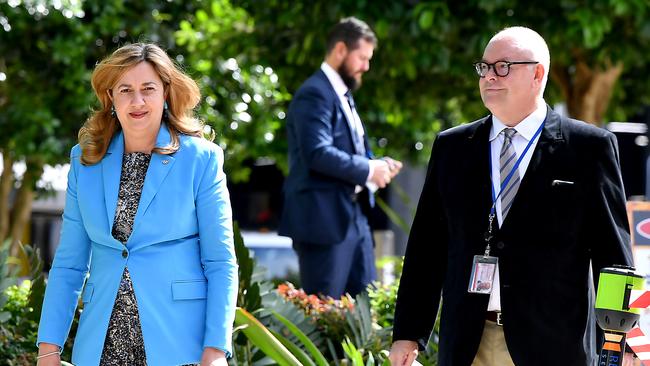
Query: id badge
x=483 y=270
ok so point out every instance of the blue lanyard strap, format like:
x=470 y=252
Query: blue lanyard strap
x=488 y=235
x=505 y=182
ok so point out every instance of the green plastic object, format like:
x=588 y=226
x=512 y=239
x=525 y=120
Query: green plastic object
x=612 y=299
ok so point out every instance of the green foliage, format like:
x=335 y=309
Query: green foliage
x=325 y=314
x=45 y=80
x=249 y=55
x=429 y=357
x=421 y=79
x=356 y=356
x=274 y=302
x=248 y=295
x=367 y=336
x=399 y=97
x=313 y=329
x=352 y=353
x=298 y=352
x=308 y=344
x=244 y=100
x=18 y=331
x=394 y=217
x=259 y=335
x=42 y=108
x=339 y=322
x=6 y=280
x=382 y=302
x=20 y=304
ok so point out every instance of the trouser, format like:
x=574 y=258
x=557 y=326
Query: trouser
x=338 y=268
x=493 y=350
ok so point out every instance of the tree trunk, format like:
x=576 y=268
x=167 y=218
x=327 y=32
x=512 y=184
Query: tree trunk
x=3 y=87
x=22 y=207
x=587 y=90
x=6 y=183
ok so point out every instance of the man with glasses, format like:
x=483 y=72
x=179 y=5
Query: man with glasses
x=515 y=208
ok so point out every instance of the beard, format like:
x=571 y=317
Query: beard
x=348 y=78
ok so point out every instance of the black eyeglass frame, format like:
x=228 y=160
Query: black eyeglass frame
x=493 y=66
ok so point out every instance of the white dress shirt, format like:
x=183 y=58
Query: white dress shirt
x=525 y=131
x=354 y=121
x=340 y=88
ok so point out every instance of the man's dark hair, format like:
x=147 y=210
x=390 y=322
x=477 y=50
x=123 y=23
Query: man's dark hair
x=350 y=31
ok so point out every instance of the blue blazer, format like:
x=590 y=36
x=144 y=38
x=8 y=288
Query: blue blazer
x=180 y=255
x=323 y=166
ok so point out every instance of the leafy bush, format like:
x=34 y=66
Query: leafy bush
x=18 y=331
x=20 y=305
x=382 y=301
x=327 y=313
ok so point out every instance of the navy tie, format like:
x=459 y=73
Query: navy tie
x=356 y=137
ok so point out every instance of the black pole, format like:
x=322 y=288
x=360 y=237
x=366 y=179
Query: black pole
x=613 y=348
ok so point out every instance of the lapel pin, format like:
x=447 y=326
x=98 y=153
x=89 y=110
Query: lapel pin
x=165 y=161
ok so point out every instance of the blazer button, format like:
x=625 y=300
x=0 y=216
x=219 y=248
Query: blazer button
x=500 y=245
x=125 y=253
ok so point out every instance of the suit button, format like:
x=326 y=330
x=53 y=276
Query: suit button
x=500 y=245
x=125 y=253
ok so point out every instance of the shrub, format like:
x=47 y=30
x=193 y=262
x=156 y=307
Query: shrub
x=18 y=331
x=382 y=301
x=327 y=313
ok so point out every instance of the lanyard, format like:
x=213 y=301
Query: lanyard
x=505 y=182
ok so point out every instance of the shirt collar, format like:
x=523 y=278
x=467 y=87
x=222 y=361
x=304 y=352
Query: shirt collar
x=335 y=79
x=526 y=128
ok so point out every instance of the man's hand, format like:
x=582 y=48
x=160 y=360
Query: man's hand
x=394 y=166
x=403 y=353
x=381 y=175
x=213 y=357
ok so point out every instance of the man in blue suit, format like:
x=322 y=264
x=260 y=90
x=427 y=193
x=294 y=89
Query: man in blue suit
x=332 y=172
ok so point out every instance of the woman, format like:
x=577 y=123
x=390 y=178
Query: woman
x=148 y=220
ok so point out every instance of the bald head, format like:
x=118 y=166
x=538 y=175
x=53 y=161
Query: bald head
x=528 y=42
x=517 y=91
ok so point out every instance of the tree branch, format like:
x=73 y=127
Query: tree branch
x=599 y=93
x=560 y=74
x=22 y=208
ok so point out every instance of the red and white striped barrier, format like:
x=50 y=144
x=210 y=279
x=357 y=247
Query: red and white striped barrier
x=636 y=340
x=639 y=343
x=639 y=299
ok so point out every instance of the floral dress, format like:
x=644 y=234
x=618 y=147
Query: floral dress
x=124 y=345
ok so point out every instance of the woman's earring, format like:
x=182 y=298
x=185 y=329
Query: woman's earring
x=113 y=114
x=166 y=111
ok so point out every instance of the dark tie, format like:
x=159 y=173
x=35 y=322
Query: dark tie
x=508 y=158
x=358 y=142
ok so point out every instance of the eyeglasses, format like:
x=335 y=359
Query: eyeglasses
x=501 y=68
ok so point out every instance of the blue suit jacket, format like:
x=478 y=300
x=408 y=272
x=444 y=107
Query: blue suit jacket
x=323 y=166
x=180 y=255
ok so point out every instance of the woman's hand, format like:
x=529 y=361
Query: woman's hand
x=54 y=359
x=213 y=357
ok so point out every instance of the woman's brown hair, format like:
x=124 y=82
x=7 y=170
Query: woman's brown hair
x=182 y=96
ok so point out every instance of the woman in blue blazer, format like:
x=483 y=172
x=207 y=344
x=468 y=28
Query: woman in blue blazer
x=147 y=227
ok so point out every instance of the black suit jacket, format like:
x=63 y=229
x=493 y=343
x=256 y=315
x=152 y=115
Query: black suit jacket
x=545 y=245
